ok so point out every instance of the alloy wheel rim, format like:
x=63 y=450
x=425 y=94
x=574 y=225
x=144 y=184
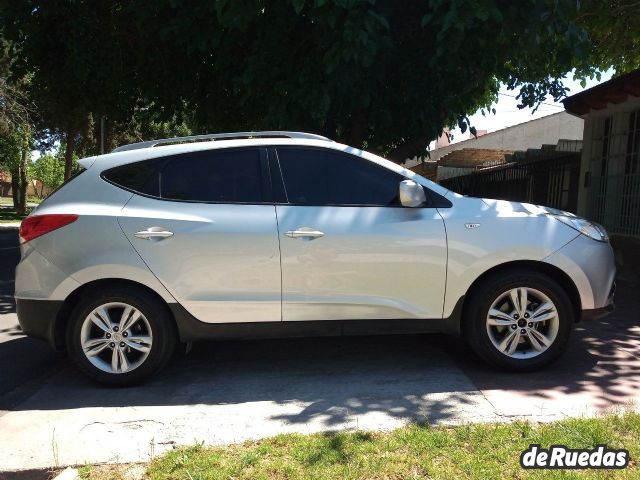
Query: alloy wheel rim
x=522 y=323
x=116 y=337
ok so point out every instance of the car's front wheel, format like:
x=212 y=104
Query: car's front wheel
x=519 y=320
x=120 y=336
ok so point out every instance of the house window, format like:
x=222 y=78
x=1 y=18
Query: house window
x=606 y=139
x=614 y=196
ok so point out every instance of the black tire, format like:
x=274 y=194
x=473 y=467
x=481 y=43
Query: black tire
x=158 y=317
x=477 y=309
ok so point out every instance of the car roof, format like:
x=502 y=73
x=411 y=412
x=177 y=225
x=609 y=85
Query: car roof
x=100 y=163
x=220 y=136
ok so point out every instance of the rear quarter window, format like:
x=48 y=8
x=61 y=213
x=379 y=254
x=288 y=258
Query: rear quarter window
x=140 y=177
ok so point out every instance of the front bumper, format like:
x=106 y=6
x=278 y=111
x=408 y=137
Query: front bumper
x=591 y=267
x=38 y=319
x=598 y=313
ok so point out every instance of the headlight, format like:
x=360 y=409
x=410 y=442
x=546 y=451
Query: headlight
x=590 y=229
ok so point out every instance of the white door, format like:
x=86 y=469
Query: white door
x=348 y=249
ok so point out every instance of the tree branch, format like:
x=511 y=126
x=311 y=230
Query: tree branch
x=408 y=149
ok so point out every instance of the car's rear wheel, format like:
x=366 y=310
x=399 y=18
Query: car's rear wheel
x=519 y=320
x=120 y=336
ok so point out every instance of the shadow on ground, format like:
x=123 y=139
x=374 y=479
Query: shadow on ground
x=334 y=378
x=404 y=376
x=601 y=365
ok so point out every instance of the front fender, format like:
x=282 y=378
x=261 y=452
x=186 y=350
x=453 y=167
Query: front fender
x=504 y=235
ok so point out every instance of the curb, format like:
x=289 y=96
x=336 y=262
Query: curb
x=68 y=474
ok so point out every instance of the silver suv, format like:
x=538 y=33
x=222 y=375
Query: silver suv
x=290 y=234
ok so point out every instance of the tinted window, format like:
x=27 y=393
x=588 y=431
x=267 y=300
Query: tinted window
x=277 y=183
x=226 y=176
x=324 y=177
x=142 y=177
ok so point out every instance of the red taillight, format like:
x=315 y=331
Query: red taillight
x=33 y=227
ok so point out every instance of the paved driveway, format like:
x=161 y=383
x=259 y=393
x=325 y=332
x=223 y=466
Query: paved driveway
x=226 y=392
x=21 y=359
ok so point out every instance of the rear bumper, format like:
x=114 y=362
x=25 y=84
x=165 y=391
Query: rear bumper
x=37 y=318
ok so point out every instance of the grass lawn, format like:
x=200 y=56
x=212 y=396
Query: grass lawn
x=483 y=451
x=8 y=201
x=8 y=214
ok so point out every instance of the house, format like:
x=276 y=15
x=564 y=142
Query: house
x=561 y=132
x=545 y=176
x=548 y=130
x=468 y=160
x=427 y=169
x=35 y=188
x=609 y=187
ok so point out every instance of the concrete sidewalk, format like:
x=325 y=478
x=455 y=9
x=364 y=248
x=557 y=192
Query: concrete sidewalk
x=599 y=373
x=22 y=359
x=233 y=391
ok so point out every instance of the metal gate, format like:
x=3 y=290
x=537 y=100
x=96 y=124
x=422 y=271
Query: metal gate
x=551 y=182
x=614 y=202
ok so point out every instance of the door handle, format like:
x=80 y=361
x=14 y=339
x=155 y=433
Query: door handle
x=153 y=233
x=304 y=233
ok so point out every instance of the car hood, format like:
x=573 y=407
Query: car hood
x=522 y=209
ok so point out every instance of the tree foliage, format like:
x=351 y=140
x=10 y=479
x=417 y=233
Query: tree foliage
x=14 y=157
x=16 y=129
x=49 y=170
x=382 y=74
x=614 y=30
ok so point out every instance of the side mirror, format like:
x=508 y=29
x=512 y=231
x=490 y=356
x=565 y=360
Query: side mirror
x=411 y=194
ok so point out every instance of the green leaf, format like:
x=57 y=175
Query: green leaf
x=298 y=5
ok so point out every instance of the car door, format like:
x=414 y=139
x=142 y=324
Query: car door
x=349 y=249
x=204 y=227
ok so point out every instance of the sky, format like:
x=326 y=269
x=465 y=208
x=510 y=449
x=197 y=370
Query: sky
x=508 y=114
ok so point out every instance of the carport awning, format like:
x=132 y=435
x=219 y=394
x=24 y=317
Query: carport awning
x=616 y=90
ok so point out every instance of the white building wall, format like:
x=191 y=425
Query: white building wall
x=449 y=172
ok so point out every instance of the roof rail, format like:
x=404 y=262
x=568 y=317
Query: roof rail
x=219 y=136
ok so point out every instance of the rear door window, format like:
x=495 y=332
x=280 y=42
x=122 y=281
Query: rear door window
x=221 y=176
x=216 y=176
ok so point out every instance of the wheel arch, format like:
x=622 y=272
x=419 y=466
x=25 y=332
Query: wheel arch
x=545 y=268
x=62 y=319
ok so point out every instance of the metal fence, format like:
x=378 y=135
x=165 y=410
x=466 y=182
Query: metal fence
x=551 y=182
x=614 y=201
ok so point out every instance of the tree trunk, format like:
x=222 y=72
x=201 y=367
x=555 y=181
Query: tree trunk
x=330 y=124
x=68 y=154
x=23 y=181
x=15 y=189
x=356 y=136
x=19 y=184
